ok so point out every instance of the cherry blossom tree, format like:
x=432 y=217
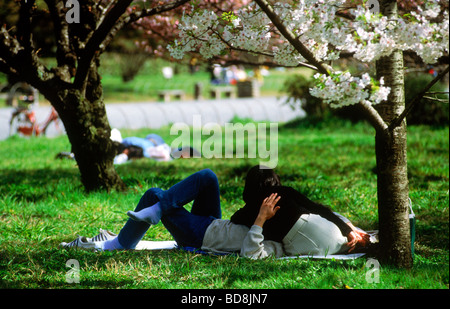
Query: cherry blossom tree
x=159 y=30
x=314 y=33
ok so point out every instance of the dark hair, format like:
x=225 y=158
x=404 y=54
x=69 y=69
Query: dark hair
x=133 y=151
x=120 y=147
x=259 y=177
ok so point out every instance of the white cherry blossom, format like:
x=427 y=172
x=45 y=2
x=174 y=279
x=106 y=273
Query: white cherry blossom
x=326 y=34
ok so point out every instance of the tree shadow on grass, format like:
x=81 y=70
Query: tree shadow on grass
x=33 y=185
x=41 y=267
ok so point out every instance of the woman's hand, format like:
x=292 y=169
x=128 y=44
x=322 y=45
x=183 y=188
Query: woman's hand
x=268 y=209
x=357 y=238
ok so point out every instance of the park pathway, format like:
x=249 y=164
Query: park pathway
x=155 y=115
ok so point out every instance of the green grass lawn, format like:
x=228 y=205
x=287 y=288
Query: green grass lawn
x=42 y=204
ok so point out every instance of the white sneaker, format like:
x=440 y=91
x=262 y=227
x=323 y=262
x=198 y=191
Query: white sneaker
x=89 y=243
x=81 y=242
x=103 y=236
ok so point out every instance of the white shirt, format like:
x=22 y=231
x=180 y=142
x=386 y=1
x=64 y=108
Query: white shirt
x=223 y=236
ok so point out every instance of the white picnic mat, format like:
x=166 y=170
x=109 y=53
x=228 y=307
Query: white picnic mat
x=352 y=256
x=156 y=245
x=171 y=244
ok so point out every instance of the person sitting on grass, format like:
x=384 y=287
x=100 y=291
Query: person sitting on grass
x=204 y=228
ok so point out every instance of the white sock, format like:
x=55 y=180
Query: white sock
x=151 y=214
x=112 y=244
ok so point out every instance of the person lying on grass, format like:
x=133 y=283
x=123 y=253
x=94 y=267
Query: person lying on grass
x=204 y=228
x=301 y=225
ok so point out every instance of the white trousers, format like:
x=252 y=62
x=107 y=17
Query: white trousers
x=314 y=235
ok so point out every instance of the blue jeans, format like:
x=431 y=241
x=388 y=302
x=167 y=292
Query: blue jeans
x=187 y=228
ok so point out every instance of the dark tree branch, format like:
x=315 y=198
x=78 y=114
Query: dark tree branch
x=17 y=54
x=5 y=68
x=96 y=39
x=65 y=58
x=134 y=16
x=155 y=11
x=109 y=26
x=128 y=19
x=24 y=24
x=26 y=58
x=102 y=11
x=397 y=121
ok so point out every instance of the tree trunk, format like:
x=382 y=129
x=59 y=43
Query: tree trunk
x=391 y=156
x=87 y=126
